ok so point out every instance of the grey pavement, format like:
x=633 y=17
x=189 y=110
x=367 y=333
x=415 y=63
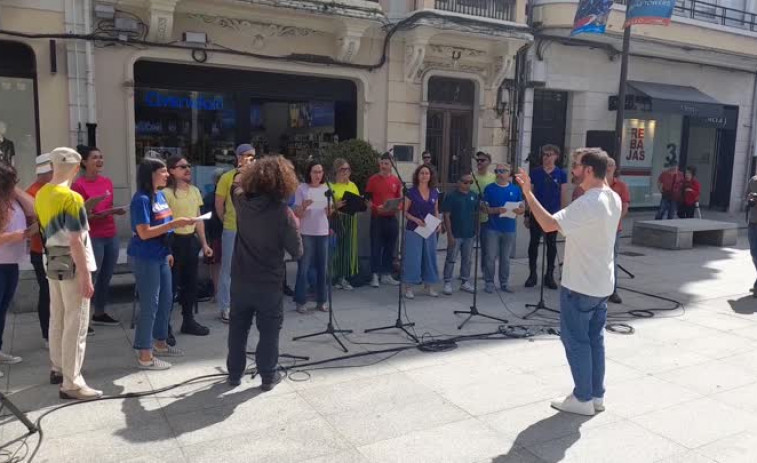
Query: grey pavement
x=682 y=388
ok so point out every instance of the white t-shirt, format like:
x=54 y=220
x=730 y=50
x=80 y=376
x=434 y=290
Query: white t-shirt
x=590 y=225
x=315 y=221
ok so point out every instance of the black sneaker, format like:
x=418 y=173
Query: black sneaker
x=531 y=282
x=615 y=299
x=289 y=292
x=104 y=320
x=170 y=340
x=235 y=381
x=270 y=383
x=549 y=281
x=56 y=378
x=90 y=331
x=195 y=329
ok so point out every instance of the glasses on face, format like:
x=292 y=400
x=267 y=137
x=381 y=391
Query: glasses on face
x=501 y=171
x=345 y=169
x=426 y=158
x=481 y=161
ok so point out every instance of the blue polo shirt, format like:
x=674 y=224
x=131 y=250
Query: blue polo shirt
x=496 y=196
x=547 y=187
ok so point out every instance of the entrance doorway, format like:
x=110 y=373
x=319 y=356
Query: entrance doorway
x=550 y=112
x=449 y=128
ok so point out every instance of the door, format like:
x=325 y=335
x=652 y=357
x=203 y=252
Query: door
x=720 y=198
x=550 y=111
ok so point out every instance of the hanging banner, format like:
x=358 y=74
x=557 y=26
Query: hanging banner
x=651 y=12
x=591 y=16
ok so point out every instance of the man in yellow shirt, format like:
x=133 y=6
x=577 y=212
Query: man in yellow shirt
x=226 y=213
x=483 y=178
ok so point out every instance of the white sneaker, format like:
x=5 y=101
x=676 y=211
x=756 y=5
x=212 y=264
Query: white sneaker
x=7 y=359
x=467 y=287
x=599 y=404
x=338 y=285
x=447 y=289
x=572 y=405
x=375 y=281
x=409 y=294
x=47 y=344
x=225 y=315
x=431 y=292
x=346 y=285
x=388 y=280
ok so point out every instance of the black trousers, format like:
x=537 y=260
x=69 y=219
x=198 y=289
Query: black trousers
x=185 y=250
x=686 y=212
x=267 y=307
x=43 y=301
x=533 y=246
x=384 y=233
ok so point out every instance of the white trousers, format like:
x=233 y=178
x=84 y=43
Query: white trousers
x=69 y=320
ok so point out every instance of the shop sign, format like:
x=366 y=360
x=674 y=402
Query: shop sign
x=591 y=16
x=156 y=99
x=650 y=12
x=638 y=145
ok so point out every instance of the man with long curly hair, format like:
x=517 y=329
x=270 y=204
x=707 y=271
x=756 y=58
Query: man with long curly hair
x=266 y=227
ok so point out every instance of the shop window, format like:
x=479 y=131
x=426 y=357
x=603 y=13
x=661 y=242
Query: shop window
x=18 y=109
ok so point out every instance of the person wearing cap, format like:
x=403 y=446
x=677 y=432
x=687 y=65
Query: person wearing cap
x=65 y=229
x=245 y=154
x=44 y=169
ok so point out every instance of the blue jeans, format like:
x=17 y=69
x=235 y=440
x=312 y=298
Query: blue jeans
x=8 y=285
x=498 y=245
x=419 y=265
x=155 y=300
x=582 y=323
x=752 y=235
x=668 y=209
x=315 y=254
x=464 y=247
x=106 y=257
x=223 y=293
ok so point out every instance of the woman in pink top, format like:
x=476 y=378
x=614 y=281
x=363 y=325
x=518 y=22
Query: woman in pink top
x=15 y=204
x=102 y=227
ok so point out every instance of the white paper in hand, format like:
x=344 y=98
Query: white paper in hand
x=510 y=206
x=204 y=217
x=431 y=224
x=318 y=197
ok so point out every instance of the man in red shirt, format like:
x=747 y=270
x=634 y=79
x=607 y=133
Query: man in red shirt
x=691 y=191
x=621 y=188
x=384 y=225
x=670 y=184
x=44 y=169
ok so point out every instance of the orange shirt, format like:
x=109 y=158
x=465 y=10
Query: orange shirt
x=35 y=244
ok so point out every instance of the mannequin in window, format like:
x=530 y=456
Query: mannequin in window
x=7 y=150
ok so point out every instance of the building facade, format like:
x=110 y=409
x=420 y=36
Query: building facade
x=691 y=92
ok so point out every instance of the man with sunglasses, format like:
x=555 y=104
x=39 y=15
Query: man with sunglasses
x=460 y=208
x=550 y=186
x=426 y=157
x=482 y=179
x=589 y=224
x=245 y=154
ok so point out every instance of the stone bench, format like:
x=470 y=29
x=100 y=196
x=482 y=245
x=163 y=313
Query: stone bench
x=684 y=233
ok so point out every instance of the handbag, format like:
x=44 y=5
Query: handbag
x=60 y=263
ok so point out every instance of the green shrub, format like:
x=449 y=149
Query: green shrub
x=360 y=154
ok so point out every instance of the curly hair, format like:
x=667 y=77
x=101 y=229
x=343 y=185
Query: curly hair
x=8 y=181
x=432 y=180
x=272 y=176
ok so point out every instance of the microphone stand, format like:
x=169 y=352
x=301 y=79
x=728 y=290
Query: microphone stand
x=473 y=312
x=399 y=324
x=330 y=330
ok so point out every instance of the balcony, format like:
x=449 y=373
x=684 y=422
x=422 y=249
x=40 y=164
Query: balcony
x=502 y=10
x=713 y=12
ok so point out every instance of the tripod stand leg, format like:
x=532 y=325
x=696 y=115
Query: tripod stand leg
x=18 y=413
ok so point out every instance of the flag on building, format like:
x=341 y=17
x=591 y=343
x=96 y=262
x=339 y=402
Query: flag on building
x=591 y=16
x=652 y=12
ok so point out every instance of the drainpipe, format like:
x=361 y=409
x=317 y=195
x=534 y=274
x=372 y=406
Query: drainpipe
x=90 y=76
x=74 y=87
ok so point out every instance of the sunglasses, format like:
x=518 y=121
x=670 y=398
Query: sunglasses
x=501 y=171
x=183 y=166
x=481 y=161
x=466 y=182
x=345 y=169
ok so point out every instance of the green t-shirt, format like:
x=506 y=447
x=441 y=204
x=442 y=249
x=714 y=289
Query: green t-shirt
x=461 y=208
x=483 y=181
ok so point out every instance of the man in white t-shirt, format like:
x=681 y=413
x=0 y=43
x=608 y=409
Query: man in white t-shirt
x=589 y=225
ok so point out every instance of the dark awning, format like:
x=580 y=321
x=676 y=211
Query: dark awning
x=677 y=99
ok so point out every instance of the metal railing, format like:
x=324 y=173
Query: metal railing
x=495 y=9
x=712 y=12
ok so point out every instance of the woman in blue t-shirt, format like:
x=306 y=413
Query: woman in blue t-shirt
x=151 y=260
x=419 y=264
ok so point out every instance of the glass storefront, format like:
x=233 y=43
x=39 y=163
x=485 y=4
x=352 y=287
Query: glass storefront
x=18 y=117
x=222 y=109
